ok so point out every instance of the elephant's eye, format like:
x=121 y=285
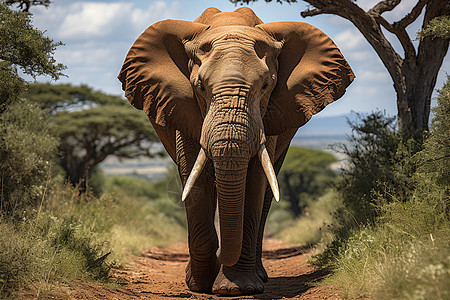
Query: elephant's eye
x=205 y=48
x=265 y=85
x=200 y=85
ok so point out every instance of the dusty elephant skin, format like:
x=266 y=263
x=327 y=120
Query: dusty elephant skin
x=226 y=94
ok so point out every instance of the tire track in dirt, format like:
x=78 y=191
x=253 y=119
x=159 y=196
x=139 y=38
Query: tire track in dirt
x=158 y=273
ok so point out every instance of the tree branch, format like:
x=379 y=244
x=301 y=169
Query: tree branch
x=412 y=16
x=368 y=25
x=311 y=12
x=383 y=6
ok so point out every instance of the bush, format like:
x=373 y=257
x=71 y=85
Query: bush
x=27 y=153
x=378 y=162
x=402 y=253
x=42 y=250
x=79 y=236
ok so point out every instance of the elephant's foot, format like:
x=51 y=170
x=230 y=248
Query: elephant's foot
x=200 y=276
x=233 y=282
x=261 y=271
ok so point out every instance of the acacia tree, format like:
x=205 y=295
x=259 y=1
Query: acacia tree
x=415 y=72
x=91 y=126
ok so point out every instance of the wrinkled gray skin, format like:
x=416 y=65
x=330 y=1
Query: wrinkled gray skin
x=233 y=85
x=227 y=84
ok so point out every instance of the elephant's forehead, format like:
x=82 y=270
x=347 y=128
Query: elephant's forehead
x=235 y=33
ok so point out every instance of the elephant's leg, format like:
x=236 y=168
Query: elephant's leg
x=200 y=206
x=278 y=153
x=242 y=279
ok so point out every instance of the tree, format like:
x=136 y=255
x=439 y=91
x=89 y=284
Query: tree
x=23 y=46
x=26 y=146
x=305 y=174
x=414 y=75
x=91 y=126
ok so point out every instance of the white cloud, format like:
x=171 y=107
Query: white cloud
x=350 y=39
x=157 y=10
x=101 y=19
x=373 y=76
x=90 y=19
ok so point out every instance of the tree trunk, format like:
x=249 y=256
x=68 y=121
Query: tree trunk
x=415 y=75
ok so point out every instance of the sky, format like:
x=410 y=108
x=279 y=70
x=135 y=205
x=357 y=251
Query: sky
x=98 y=33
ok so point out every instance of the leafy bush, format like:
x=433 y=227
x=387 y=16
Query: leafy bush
x=79 y=236
x=27 y=153
x=378 y=162
x=403 y=252
x=45 y=249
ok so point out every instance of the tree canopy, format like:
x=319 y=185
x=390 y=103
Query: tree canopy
x=92 y=125
x=24 y=47
x=414 y=72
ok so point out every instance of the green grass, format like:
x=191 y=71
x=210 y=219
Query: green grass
x=313 y=226
x=390 y=262
x=402 y=249
x=73 y=236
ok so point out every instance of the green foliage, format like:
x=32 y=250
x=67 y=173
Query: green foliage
x=46 y=249
x=435 y=161
x=79 y=236
x=27 y=153
x=305 y=175
x=403 y=252
x=438 y=27
x=26 y=144
x=25 y=46
x=378 y=162
x=165 y=194
x=12 y=86
x=91 y=126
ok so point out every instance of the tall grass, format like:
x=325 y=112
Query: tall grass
x=313 y=227
x=403 y=251
x=79 y=236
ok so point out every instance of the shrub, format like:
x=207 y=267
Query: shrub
x=27 y=152
x=403 y=252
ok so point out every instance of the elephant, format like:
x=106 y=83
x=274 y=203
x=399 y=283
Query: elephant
x=226 y=93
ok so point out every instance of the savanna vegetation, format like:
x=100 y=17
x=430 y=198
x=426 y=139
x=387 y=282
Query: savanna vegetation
x=381 y=225
x=52 y=229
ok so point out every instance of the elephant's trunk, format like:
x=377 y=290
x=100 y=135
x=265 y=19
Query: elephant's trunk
x=231 y=136
x=230 y=194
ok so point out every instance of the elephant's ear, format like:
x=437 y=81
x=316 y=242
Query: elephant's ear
x=312 y=73
x=155 y=75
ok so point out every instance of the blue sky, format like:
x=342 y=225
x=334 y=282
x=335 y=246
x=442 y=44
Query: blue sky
x=98 y=33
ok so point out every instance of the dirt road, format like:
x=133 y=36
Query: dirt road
x=159 y=274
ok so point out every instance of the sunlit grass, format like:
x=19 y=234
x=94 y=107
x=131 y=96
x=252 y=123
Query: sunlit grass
x=80 y=236
x=313 y=226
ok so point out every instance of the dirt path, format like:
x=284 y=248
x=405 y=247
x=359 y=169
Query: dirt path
x=159 y=274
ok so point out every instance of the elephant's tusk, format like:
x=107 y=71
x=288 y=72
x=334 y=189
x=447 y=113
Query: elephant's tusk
x=269 y=171
x=196 y=171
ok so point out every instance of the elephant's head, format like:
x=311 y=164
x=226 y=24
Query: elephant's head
x=228 y=80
